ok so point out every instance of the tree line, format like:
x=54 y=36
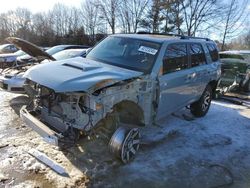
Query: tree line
x=95 y=19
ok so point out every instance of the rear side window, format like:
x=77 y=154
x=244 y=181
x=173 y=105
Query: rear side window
x=197 y=55
x=213 y=52
x=176 y=58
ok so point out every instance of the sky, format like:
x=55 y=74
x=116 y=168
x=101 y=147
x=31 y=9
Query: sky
x=35 y=5
x=44 y=5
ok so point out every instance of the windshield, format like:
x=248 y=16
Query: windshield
x=66 y=54
x=54 y=50
x=125 y=52
x=3 y=46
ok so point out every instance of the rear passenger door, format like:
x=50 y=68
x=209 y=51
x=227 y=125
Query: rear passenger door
x=174 y=80
x=198 y=67
x=213 y=66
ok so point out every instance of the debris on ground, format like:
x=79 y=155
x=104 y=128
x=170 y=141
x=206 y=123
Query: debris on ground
x=3 y=177
x=49 y=162
x=3 y=145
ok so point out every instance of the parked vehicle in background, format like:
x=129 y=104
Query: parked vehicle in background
x=8 y=48
x=127 y=82
x=11 y=79
x=235 y=70
x=8 y=60
x=51 y=51
x=67 y=54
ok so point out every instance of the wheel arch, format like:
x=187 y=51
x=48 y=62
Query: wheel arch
x=129 y=112
x=213 y=84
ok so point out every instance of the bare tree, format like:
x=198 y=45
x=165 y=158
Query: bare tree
x=172 y=15
x=90 y=15
x=109 y=11
x=177 y=9
x=132 y=12
x=4 y=26
x=153 y=19
x=60 y=18
x=75 y=19
x=234 y=17
x=42 y=28
x=198 y=12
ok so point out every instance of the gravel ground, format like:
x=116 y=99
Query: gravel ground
x=181 y=151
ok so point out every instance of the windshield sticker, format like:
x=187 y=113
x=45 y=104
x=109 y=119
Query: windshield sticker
x=147 y=50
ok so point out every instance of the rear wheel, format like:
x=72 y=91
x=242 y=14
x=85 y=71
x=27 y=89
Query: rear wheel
x=246 y=86
x=201 y=107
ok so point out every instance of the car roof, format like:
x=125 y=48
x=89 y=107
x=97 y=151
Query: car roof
x=160 y=38
x=71 y=46
x=7 y=45
x=4 y=45
x=74 y=50
x=148 y=37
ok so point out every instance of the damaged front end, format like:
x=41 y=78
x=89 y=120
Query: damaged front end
x=61 y=112
x=64 y=115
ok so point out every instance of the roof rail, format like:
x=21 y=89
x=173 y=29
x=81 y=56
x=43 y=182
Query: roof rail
x=167 y=34
x=172 y=34
x=190 y=37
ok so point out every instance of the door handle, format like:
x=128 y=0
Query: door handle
x=191 y=76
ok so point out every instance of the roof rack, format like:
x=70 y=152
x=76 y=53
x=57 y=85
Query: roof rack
x=175 y=35
x=190 y=37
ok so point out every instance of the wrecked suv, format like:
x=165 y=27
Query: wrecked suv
x=126 y=83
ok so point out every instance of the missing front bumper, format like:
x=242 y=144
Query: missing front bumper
x=48 y=134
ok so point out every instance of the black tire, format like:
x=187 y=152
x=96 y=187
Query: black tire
x=246 y=87
x=201 y=107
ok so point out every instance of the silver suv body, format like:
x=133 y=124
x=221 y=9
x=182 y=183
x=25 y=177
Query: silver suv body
x=126 y=82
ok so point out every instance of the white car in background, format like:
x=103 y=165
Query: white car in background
x=11 y=79
x=8 y=60
x=8 y=48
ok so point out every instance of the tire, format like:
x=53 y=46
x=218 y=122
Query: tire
x=125 y=143
x=246 y=87
x=201 y=107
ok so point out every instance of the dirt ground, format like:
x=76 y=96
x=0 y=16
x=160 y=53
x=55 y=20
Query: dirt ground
x=181 y=151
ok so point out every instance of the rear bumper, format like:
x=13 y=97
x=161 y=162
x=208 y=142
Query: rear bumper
x=48 y=134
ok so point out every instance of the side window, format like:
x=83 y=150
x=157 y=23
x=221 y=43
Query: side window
x=197 y=55
x=6 y=49
x=13 y=48
x=213 y=52
x=175 y=58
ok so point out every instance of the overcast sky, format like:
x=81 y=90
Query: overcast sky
x=34 y=5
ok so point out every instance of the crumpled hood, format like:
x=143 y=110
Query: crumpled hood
x=78 y=74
